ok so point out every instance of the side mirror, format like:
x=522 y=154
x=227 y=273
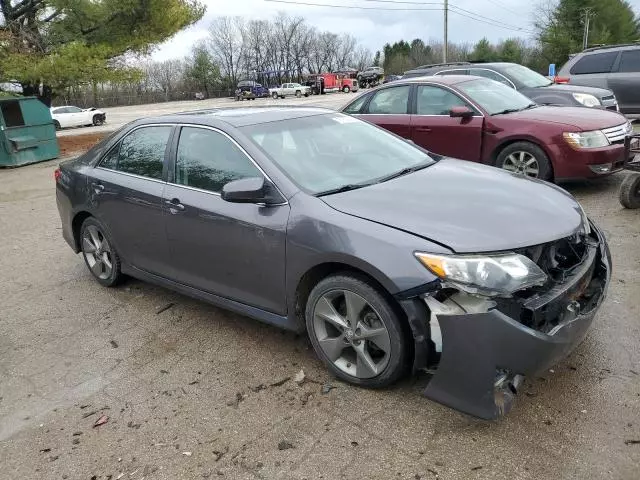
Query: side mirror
x=461 y=112
x=249 y=190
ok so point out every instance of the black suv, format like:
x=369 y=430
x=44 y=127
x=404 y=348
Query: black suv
x=616 y=67
x=531 y=84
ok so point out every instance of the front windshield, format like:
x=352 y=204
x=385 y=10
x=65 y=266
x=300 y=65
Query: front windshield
x=326 y=152
x=526 y=76
x=494 y=97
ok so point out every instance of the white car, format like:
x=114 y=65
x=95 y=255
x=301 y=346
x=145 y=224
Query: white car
x=290 y=89
x=69 y=116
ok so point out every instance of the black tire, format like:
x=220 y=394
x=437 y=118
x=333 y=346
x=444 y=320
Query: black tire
x=396 y=366
x=306 y=94
x=115 y=276
x=56 y=125
x=346 y=89
x=97 y=120
x=630 y=191
x=298 y=93
x=545 y=170
x=274 y=95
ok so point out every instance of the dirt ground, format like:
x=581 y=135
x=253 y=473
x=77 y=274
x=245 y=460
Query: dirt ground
x=71 y=145
x=139 y=382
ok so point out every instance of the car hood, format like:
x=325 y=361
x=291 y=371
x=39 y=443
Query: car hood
x=582 y=118
x=466 y=207
x=562 y=88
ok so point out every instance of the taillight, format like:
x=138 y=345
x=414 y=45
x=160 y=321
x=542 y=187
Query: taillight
x=57 y=174
x=561 y=80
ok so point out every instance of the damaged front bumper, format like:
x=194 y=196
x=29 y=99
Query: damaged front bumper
x=482 y=353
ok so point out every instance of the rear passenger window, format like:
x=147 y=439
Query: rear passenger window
x=630 y=61
x=142 y=151
x=356 y=105
x=491 y=75
x=594 y=63
x=390 y=101
x=110 y=160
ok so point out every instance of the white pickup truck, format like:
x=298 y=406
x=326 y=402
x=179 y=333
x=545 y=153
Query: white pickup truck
x=290 y=89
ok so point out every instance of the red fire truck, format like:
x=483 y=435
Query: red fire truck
x=321 y=83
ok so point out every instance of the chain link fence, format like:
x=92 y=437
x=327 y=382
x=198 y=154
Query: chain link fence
x=119 y=99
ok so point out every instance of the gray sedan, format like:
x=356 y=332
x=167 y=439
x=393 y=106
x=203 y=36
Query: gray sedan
x=391 y=258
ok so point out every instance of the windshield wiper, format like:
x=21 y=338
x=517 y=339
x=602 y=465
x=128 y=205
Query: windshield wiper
x=344 y=188
x=507 y=110
x=511 y=110
x=404 y=171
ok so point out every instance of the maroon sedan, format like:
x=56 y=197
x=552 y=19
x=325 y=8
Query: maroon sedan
x=481 y=120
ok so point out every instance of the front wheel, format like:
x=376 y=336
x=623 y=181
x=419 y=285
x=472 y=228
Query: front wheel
x=99 y=253
x=56 y=125
x=356 y=332
x=346 y=89
x=98 y=120
x=630 y=191
x=525 y=158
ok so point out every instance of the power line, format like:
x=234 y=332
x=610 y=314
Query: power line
x=503 y=6
x=494 y=22
x=310 y=4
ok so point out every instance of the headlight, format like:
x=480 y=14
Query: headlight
x=580 y=140
x=490 y=275
x=586 y=99
x=585 y=226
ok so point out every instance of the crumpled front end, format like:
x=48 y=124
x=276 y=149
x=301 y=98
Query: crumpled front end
x=480 y=348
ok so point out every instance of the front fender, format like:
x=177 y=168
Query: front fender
x=333 y=237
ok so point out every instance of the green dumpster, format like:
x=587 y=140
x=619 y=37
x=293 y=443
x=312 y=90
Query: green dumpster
x=27 y=134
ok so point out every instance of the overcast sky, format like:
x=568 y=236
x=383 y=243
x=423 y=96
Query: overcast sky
x=373 y=27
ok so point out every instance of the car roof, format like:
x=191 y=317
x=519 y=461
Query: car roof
x=239 y=116
x=622 y=46
x=461 y=66
x=444 y=80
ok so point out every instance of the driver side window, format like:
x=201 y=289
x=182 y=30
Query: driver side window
x=208 y=160
x=437 y=101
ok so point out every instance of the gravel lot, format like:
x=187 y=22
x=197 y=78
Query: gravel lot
x=118 y=116
x=192 y=391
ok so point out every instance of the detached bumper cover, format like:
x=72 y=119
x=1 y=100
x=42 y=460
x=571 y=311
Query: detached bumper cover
x=477 y=346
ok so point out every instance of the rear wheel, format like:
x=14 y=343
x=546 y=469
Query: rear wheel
x=99 y=254
x=274 y=95
x=525 y=158
x=298 y=93
x=356 y=332
x=630 y=191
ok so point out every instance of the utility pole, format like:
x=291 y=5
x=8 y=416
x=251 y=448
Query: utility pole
x=585 y=35
x=446 y=33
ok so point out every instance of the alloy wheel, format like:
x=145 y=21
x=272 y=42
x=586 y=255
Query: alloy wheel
x=522 y=163
x=97 y=252
x=351 y=334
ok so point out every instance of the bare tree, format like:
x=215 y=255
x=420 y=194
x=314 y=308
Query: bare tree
x=165 y=76
x=227 y=44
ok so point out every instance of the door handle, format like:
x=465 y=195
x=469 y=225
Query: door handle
x=423 y=129
x=174 y=205
x=97 y=187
